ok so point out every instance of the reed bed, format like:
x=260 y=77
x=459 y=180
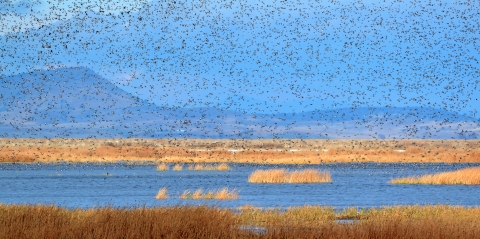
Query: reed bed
x=25 y=221
x=238 y=151
x=284 y=176
x=223 y=167
x=177 y=167
x=203 y=167
x=162 y=194
x=163 y=167
x=40 y=221
x=467 y=176
x=221 y=194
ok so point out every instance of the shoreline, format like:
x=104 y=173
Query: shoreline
x=309 y=152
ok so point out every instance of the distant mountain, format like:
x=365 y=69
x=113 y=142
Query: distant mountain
x=76 y=102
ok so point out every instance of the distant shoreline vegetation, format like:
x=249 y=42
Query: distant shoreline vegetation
x=198 y=151
x=466 y=176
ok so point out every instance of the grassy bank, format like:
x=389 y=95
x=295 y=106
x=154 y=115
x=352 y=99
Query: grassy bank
x=467 y=176
x=238 y=151
x=20 y=221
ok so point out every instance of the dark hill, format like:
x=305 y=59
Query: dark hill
x=76 y=102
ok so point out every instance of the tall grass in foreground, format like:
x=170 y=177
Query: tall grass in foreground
x=284 y=176
x=222 y=194
x=20 y=221
x=26 y=221
x=468 y=176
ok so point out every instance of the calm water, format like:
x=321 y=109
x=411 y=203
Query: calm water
x=124 y=185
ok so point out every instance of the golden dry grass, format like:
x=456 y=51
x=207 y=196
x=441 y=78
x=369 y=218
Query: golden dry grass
x=38 y=221
x=223 y=167
x=284 y=176
x=304 y=216
x=22 y=221
x=467 y=176
x=162 y=167
x=203 y=167
x=238 y=151
x=221 y=194
x=162 y=194
x=177 y=167
x=226 y=194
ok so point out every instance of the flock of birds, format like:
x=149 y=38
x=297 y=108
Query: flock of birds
x=241 y=69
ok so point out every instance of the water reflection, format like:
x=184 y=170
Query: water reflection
x=122 y=184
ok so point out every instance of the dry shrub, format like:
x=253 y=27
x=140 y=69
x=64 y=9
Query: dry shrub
x=163 y=167
x=162 y=194
x=284 y=176
x=468 y=176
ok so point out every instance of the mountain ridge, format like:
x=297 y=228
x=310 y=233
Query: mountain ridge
x=77 y=102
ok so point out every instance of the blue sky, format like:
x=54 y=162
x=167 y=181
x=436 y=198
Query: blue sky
x=265 y=57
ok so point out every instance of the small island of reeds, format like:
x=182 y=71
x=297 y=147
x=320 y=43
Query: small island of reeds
x=204 y=167
x=195 y=167
x=467 y=176
x=222 y=194
x=285 y=176
x=162 y=194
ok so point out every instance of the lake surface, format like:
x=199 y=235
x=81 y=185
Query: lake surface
x=124 y=185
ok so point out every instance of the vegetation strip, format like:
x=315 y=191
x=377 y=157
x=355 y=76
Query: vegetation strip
x=238 y=151
x=467 y=176
x=284 y=176
x=196 y=167
x=40 y=221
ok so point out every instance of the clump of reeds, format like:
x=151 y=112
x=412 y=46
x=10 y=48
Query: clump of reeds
x=225 y=194
x=162 y=194
x=284 y=176
x=467 y=176
x=223 y=167
x=177 y=167
x=162 y=167
x=202 y=167
x=221 y=194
